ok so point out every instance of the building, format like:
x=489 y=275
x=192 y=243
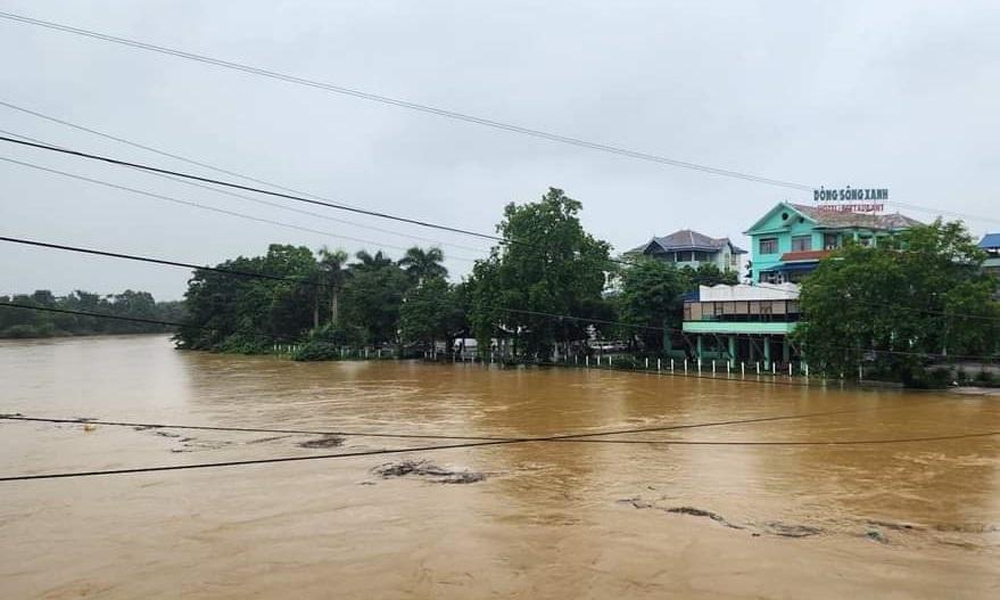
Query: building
x=991 y=245
x=788 y=242
x=686 y=248
x=743 y=323
x=753 y=323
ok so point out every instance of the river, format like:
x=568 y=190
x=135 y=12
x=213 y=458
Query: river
x=785 y=504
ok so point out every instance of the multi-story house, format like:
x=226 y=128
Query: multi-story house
x=686 y=248
x=789 y=241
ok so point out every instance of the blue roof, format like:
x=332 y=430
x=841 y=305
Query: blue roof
x=990 y=240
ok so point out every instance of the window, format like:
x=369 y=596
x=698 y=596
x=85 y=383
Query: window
x=802 y=243
x=830 y=241
x=769 y=245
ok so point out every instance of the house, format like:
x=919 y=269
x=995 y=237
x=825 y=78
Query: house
x=743 y=322
x=687 y=248
x=753 y=323
x=788 y=242
x=991 y=245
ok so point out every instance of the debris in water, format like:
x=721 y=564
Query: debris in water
x=697 y=512
x=893 y=525
x=876 y=536
x=268 y=439
x=636 y=502
x=792 y=531
x=423 y=468
x=167 y=434
x=329 y=441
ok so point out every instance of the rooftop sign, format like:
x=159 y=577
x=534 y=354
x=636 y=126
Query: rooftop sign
x=848 y=199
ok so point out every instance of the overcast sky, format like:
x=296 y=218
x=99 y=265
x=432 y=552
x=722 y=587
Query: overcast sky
x=901 y=95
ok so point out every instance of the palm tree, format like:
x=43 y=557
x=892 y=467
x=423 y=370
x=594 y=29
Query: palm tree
x=371 y=263
x=422 y=265
x=331 y=265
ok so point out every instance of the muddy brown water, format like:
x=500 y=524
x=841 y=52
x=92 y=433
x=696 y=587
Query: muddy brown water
x=631 y=518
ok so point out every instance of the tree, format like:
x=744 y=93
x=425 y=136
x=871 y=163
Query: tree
x=422 y=264
x=429 y=313
x=331 y=266
x=651 y=300
x=546 y=265
x=246 y=314
x=707 y=274
x=921 y=293
x=372 y=297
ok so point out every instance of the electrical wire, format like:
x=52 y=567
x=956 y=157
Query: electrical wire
x=449 y=114
x=160 y=261
x=229 y=184
x=85 y=313
x=577 y=438
x=214 y=209
x=232 y=194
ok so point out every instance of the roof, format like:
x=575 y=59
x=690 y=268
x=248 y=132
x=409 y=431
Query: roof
x=686 y=239
x=835 y=218
x=990 y=240
x=805 y=255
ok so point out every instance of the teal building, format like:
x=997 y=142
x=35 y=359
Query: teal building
x=752 y=324
x=788 y=242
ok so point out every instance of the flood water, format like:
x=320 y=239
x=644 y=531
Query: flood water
x=792 y=507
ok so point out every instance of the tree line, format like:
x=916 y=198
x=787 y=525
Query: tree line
x=26 y=323
x=547 y=287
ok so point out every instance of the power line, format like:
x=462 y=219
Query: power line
x=449 y=114
x=147 y=425
x=238 y=186
x=85 y=313
x=160 y=261
x=228 y=192
x=580 y=438
x=232 y=213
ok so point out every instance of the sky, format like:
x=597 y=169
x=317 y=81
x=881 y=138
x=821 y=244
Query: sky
x=899 y=95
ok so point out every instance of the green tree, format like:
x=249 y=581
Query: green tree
x=921 y=293
x=429 y=313
x=331 y=266
x=651 y=300
x=547 y=264
x=707 y=274
x=372 y=297
x=421 y=265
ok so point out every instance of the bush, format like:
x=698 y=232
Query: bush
x=22 y=331
x=931 y=379
x=244 y=343
x=315 y=350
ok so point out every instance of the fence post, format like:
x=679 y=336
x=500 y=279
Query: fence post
x=658 y=365
x=743 y=369
x=713 y=366
x=587 y=360
x=685 y=366
x=647 y=362
x=789 y=368
x=671 y=365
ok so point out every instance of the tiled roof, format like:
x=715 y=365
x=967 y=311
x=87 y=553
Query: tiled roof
x=834 y=218
x=990 y=240
x=686 y=239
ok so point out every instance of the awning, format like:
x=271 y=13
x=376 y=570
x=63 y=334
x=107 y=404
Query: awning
x=797 y=267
